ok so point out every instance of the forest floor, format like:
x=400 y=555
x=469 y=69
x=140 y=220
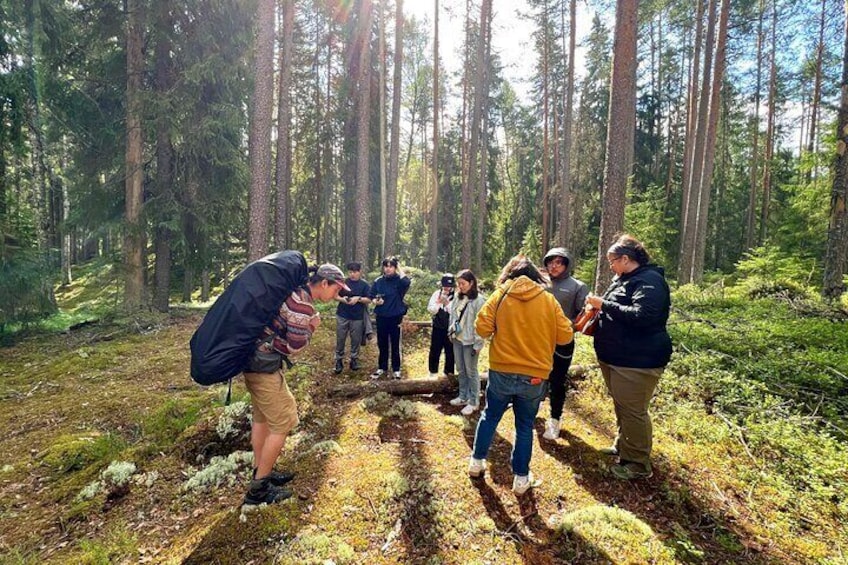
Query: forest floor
x=379 y=479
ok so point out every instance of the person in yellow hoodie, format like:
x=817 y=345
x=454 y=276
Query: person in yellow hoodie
x=525 y=324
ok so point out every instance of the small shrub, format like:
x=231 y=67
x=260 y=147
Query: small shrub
x=113 y=480
x=376 y=402
x=234 y=420
x=325 y=448
x=403 y=409
x=219 y=471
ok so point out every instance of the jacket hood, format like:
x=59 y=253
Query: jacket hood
x=560 y=252
x=523 y=288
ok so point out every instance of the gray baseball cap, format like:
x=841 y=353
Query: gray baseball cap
x=332 y=273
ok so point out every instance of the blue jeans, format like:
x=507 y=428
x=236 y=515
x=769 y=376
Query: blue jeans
x=469 y=378
x=502 y=389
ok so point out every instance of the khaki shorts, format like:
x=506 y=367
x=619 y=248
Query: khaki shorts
x=273 y=402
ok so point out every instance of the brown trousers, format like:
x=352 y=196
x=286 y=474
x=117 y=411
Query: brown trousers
x=631 y=390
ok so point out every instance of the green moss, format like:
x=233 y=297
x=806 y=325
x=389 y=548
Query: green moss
x=315 y=547
x=70 y=453
x=604 y=532
x=165 y=425
x=118 y=545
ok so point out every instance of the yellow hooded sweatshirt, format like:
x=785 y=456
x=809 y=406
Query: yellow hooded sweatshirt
x=525 y=328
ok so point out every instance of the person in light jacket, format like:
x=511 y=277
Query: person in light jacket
x=467 y=343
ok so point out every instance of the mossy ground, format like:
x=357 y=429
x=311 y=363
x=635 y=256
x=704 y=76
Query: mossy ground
x=379 y=479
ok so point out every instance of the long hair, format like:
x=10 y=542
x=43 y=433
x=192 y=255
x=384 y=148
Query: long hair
x=518 y=266
x=467 y=275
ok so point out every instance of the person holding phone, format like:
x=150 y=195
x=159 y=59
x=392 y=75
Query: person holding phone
x=350 y=316
x=388 y=293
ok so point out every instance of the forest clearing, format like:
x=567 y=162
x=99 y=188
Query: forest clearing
x=751 y=465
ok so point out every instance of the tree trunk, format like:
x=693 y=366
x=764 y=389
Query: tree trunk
x=751 y=221
x=691 y=131
x=164 y=160
x=814 y=103
x=691 y=200
x=565 y=208
x=67 y=239
x=433 y=232
x=259 y=142
x=546 y=197
x=620 y=133
x=282 y=209
x=382 y=135
x=363 y=196
x=482 y=185
x=769 y=155
x=836 y=253
x=705 y=182
x=133 y=238
x=394 y=151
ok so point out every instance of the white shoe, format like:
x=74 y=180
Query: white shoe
x=458 y=401
x=523 y=483
x=377 y=374
x=468 y=410
x=434 y=375
x=396 y=375
x=476 y=467
x=551 y=429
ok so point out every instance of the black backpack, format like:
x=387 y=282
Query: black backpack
x=225 y=340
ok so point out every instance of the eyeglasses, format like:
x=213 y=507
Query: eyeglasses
x=611 y=261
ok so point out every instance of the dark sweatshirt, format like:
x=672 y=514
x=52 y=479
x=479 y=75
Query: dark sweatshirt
x=393 y=290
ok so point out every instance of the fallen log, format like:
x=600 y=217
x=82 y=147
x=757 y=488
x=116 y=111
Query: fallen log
x=406 y=387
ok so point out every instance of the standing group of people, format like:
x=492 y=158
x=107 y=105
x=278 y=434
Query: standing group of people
x=528 y=321
x=532 y=344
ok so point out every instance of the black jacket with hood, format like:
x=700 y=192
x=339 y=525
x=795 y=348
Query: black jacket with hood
x=631 y=328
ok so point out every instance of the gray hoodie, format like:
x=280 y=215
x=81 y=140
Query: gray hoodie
x=569 y=292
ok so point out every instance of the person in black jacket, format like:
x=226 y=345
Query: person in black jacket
x=388 y=293
x=633 y=348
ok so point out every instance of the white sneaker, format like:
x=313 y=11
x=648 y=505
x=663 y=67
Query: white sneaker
x=377 y=374
x=458 y=401
x=523 y=483
x=468 y=410
x=396 y=375
x=551 y=429
x=476 y=467
x=434 y=375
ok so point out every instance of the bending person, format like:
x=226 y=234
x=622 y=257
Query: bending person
x=274 y=406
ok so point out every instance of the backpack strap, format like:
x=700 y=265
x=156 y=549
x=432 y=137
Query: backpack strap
x=495 y=320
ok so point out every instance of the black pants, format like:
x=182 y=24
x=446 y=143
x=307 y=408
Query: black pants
x=440 y=341
x=388 y=332
x=559 y=378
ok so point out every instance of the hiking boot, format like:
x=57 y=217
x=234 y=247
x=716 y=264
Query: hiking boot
x=611 y=450
x=458 y=401
x=476 y=468
x=339 y=366
x=276 y=478
x=378 y=373
x=396 y=375
x=551 y=429
x=263 y=492
x=630 y=471
x=523 y=483
x=354 y=365
x=468 y=410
